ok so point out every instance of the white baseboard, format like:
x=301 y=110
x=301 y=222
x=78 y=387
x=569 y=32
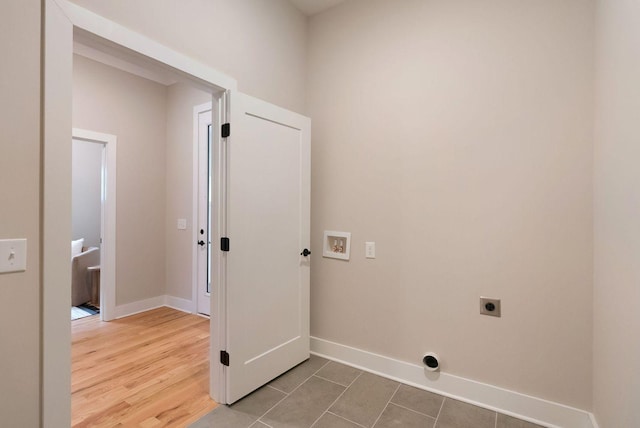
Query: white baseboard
x=132 y=308
x=532 y=409
x=180 y=304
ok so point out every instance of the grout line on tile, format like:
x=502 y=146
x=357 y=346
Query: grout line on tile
x=396 y=393
x=323 y=366
x=335 y=401
x=439 y=411
x=318 y=418
x=329 y=380
x=307 y=379
x=411 y=410
x=301 y=383
x=273 y=387
x=287 y=395
x=271 y=408
x=353 y=381
x=387 y=405
x=348 y=420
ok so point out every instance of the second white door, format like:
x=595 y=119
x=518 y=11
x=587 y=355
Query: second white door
x=203 y=230
x=268 y=215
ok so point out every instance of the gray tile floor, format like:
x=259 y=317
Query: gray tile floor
x=324 y=394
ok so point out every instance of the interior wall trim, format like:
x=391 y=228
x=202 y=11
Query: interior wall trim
x=133 y=308
x=180 y=304
x=532 y=409
x=139 y=306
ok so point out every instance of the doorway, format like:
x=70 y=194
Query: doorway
x=87 y=185
x=94 y=211
x=63 y=21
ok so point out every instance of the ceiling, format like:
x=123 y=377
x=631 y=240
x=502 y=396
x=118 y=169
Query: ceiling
x=311 y=7
x=95 y=49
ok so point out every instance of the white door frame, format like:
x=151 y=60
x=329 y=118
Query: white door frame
x=197 y=111
x=108 y=222
x=61 y=19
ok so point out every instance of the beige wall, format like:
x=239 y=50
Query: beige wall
x=457 y=135
x=492 y=199
x=86 y=208
x=176 y=170
x=134 y=109
x=616 y=369
x=259 y=43
x=20 y=210
x=181 y=99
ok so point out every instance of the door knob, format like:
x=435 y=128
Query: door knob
x=305 y=252
x=201 y=243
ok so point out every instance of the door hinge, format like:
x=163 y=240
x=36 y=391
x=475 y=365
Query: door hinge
x=224 y=358
x=224 y=244
x=226 y=130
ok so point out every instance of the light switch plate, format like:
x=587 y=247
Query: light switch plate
x=182 y=224
x=13 y=255
x=370 y=250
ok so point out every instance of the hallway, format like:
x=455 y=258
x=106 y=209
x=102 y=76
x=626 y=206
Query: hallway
x=150 y=369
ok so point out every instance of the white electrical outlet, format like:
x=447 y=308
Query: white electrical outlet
x=370 y=250
x=182 y=224
x=490 y=306
x=13 y=255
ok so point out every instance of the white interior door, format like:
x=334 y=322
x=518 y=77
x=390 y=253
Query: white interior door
x=268 y=212
x=204 y=229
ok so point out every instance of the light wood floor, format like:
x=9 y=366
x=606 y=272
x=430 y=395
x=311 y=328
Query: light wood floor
x=147 y=370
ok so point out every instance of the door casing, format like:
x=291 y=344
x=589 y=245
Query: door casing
x=61 y=19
